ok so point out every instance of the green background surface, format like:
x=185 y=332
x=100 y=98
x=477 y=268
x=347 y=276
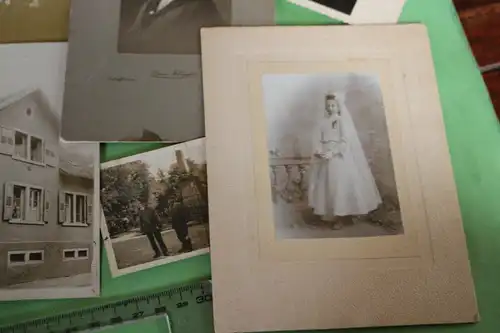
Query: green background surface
x=474 y=138
x=147 y=325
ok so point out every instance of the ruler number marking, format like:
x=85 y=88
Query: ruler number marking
x=182 y=304
x=138 y=314
x=203 y=299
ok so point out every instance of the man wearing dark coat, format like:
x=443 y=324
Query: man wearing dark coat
x=150 y=226
x=169 y=27
x=180 y=219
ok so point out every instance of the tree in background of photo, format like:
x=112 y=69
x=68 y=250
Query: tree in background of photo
x=183 y=185
x=123 y=188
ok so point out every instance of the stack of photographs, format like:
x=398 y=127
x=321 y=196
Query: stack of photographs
x=132 y=75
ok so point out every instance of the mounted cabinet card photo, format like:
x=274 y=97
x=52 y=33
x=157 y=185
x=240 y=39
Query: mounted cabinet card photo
x=335 y=186
x=49 y=231
x=136 y=69
x=155 y=207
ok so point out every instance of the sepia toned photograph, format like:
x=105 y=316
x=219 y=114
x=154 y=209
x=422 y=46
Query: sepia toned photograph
x=330 y=160
x=168 y=26
x=48 y=21
x=155 y=207
x=48 y=231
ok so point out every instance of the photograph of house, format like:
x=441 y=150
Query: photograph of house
x=47 y=202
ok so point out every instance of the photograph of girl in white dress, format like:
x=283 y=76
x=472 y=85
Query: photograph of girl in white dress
x=330 y=160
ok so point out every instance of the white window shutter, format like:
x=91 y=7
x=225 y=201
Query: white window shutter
x=51 y=155
x=8 y=201
x=6 y=141
x=46 y=206
x=90 y=208
x=62 y=207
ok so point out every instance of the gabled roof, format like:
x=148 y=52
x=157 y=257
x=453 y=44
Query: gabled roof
x=38 y=96
x=15 y=97
x=69 y=163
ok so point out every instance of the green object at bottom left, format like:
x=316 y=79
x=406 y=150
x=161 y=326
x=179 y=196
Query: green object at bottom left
x=184 y=309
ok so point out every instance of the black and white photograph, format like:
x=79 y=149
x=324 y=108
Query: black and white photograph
x=343 y=6
x=356 y=11
x=330 y=160
x=155 y=207
x=48 y=231
x=168 y=26
x=141 y=79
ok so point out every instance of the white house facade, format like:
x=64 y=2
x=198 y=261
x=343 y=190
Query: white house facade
x=45 y=202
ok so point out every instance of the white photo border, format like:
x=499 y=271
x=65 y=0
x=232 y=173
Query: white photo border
x=93 y=290
x=108 y=246
x=364 y=12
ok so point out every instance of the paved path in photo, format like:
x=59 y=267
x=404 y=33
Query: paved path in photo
x=136 y=250
x=80 y=280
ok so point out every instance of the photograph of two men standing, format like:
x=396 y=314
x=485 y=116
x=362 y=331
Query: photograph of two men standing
x=150 y=225
x=155 y=205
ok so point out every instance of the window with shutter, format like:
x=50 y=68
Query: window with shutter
x=35 y=205
x=6 y=141
x=8 y=201
x=46 y=206
x=62 y=207
x=74 y=210
x=90 y=211
x=21 y=144
x=27 y=148
x=23 y=203
x=36 y=149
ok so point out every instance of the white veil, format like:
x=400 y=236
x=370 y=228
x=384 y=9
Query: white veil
x=355 y=149
x=344 y=184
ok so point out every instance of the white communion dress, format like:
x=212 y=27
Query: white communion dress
x=341 y=183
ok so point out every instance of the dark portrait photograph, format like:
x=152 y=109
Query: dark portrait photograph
x=168 y=26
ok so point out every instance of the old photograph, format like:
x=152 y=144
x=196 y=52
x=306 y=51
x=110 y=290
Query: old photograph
x=343 y=6
x=48 y=231
x=330 y=160
x=356 y=11
x=141 y=79
x=48 y=21
x=155 y=207
x=168 y=26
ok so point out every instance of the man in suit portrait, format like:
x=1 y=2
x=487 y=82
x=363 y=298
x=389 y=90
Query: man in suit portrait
x=166 y=26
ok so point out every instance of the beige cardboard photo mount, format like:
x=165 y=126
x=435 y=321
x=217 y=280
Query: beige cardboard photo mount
x=419 y=277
